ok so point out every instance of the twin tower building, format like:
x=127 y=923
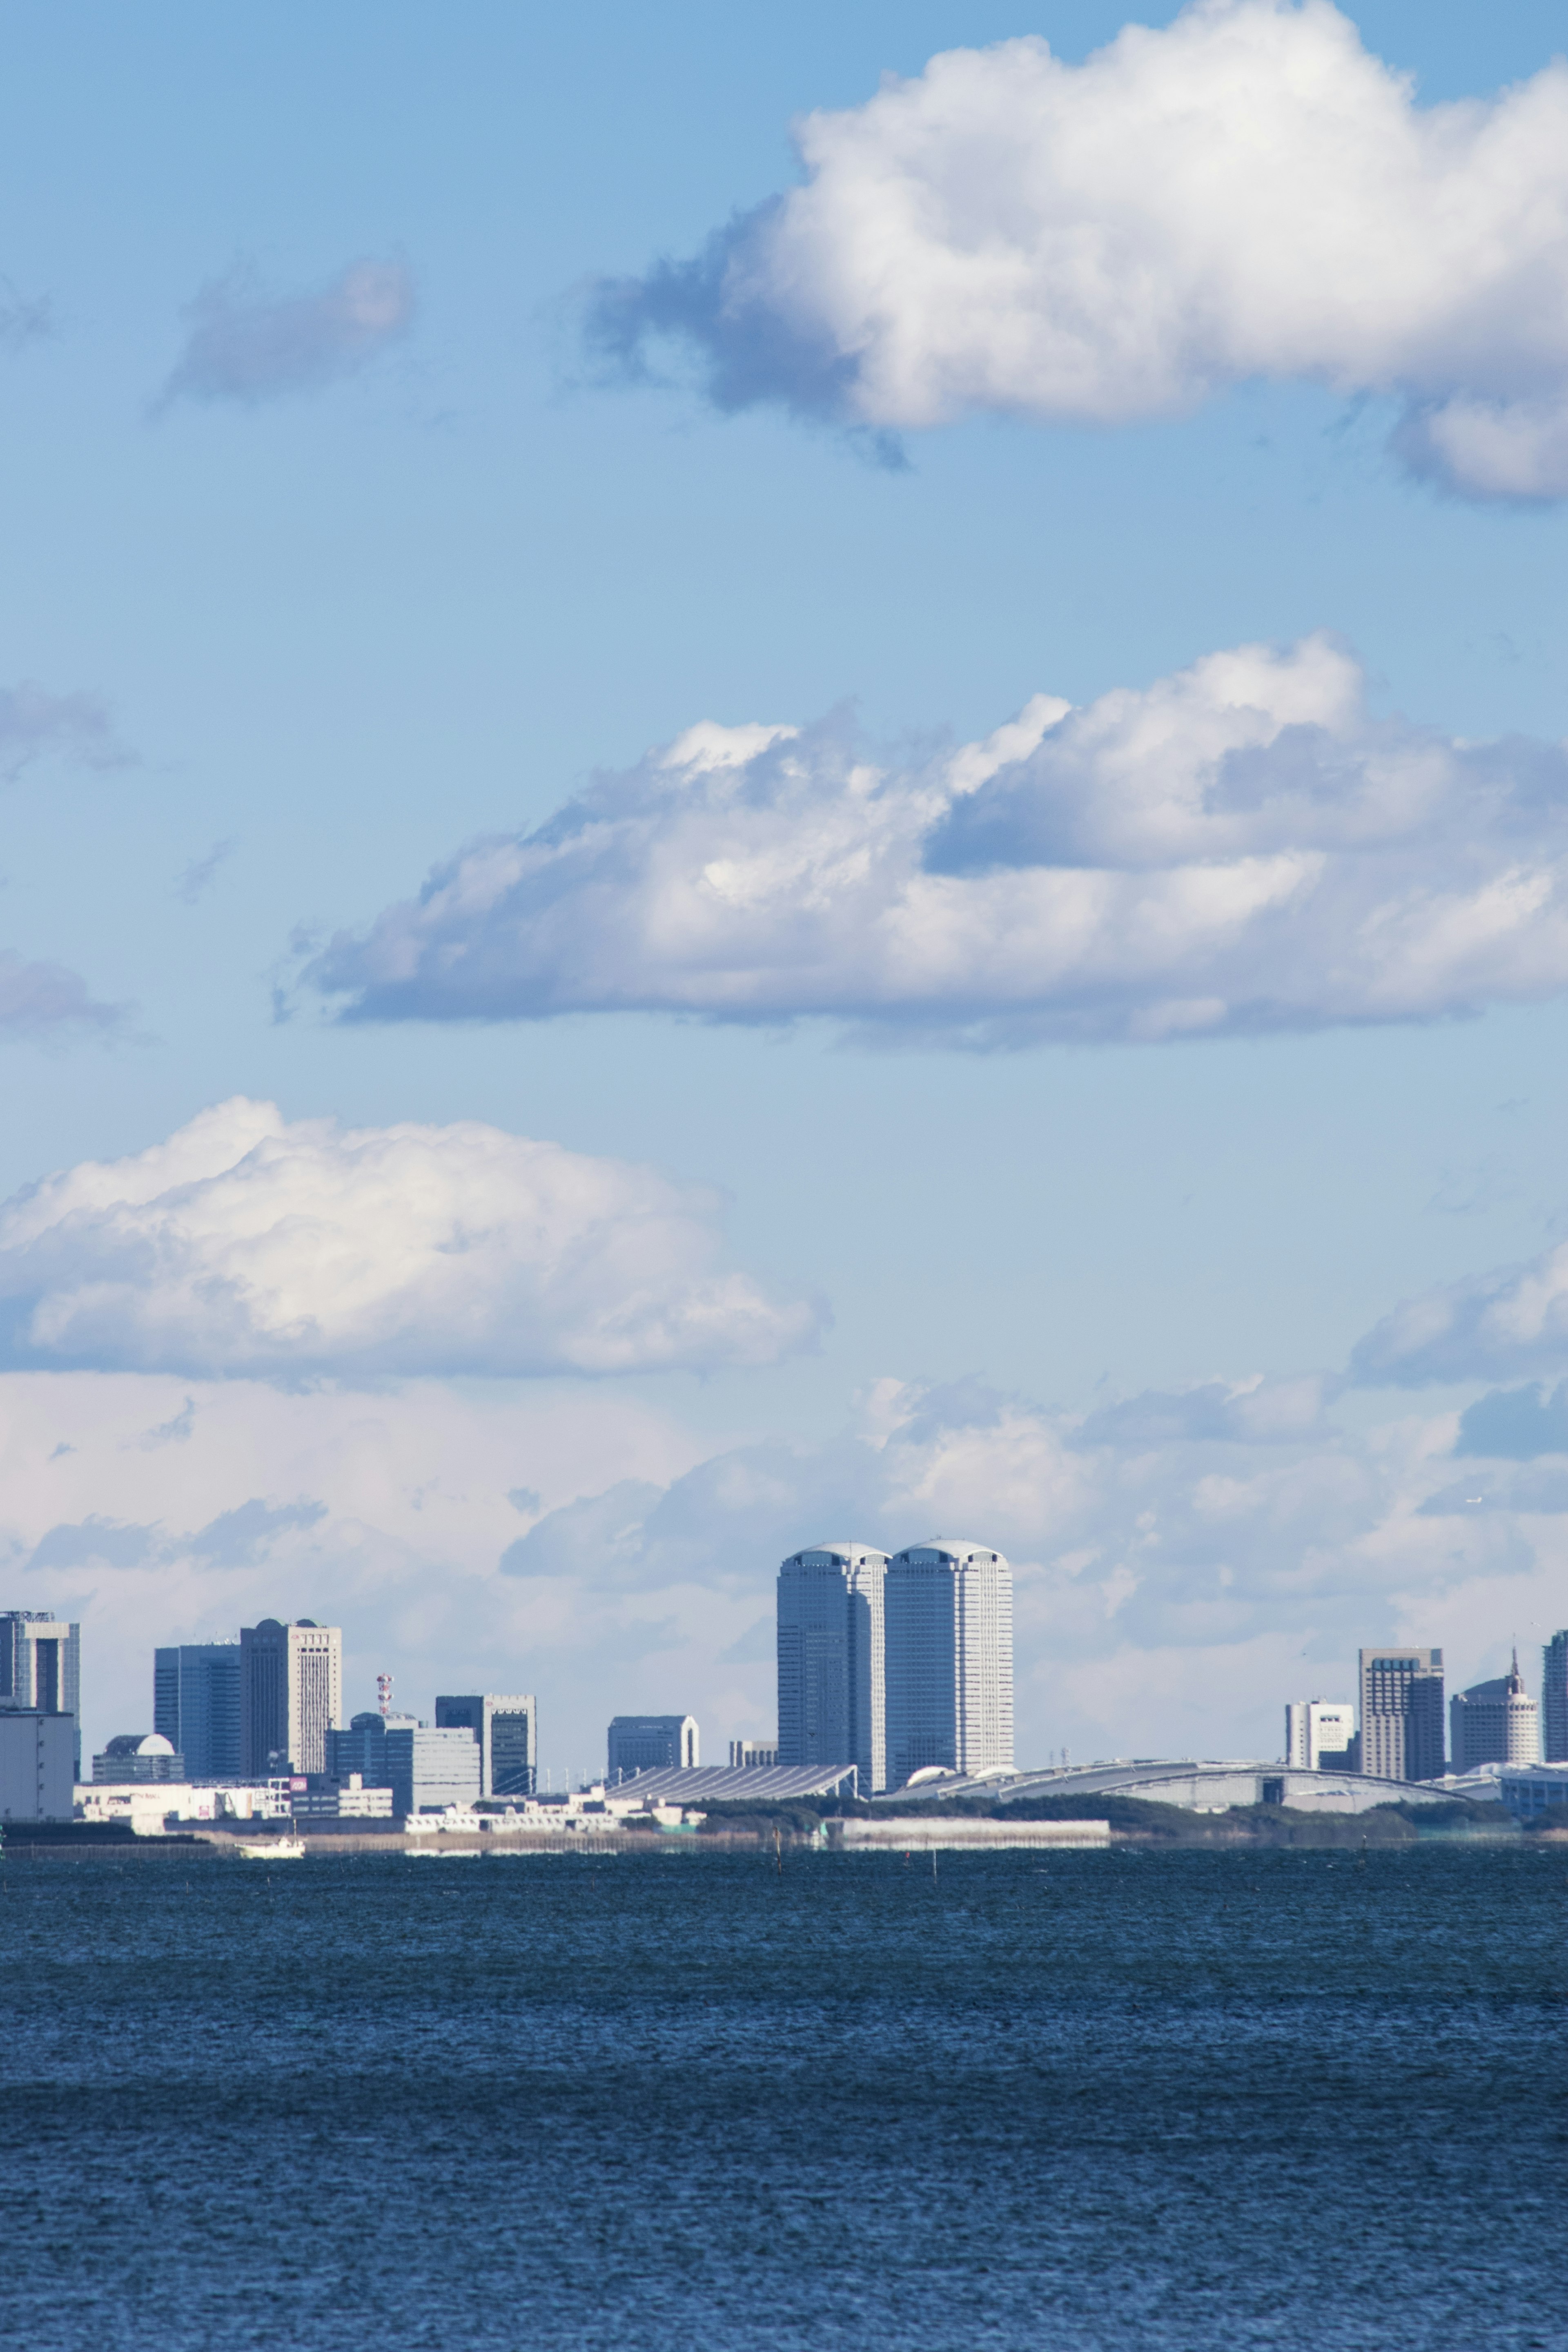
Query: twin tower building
x=896 y=1664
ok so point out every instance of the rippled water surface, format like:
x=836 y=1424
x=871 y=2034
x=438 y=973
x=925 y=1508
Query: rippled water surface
x=1092 y=2101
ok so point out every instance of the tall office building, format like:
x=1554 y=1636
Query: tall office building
x=507 y=1731
x=1494 y=1723
x=195 y=1706
x=832 y=1655
x=1554 y=1700
x=290 y=1694
x=1319 y=1735
x=652 y=1743
x=949 y=1610
x=40 y=1667
x=1401 y=1714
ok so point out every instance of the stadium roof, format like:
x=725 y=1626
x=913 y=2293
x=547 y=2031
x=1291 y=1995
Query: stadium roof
x=770 y=1784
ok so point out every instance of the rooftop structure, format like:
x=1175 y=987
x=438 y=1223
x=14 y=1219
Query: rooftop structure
x=1209 y=1787
x=719 y=1784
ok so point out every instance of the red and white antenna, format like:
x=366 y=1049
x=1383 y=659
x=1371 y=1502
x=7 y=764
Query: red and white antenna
x=384 y=1693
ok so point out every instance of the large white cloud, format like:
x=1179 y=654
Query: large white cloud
x=1239 y=846
x=245 y=1245
x=1246 y=193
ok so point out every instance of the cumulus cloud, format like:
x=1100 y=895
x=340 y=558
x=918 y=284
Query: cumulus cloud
x=1245 y=193
x=1237 y=848
x=247 y=1244
x=247 y=344
x=1508 y=1324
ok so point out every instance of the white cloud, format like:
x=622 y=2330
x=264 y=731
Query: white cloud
x=1246 y=193
x=247 y=344
x=1508 y=1324
x=1239 y=846
x=245 y=1245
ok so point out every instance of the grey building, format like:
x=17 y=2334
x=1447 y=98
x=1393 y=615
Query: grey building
x=1401 y=1714
x=508 y=1732
x=139 y=1756
x=195 y=1706
x=40 y=1669
x=290 y=1694
x=425 y=1769
x=949 y=1608
x=1554 y=1700
x=831 y=1658
x=37 y=1765
x=1494 y=1723
x=652 y=1743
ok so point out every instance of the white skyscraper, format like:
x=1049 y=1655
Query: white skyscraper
x=290 y=1694
x=830 y=1636
x=949 y=1609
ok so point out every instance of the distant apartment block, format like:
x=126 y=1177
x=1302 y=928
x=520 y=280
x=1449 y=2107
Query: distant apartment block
x=1401 y=1714
x=507 y=1732
x=832 y=1654
x=290 y=1694
x=40 y=1669
x=652 y=1743
x=1320 y=1736
x=1554 y=1699
x=195 y=1706
x=752 y=1755
x=949 y=1611
x=1495 y=1722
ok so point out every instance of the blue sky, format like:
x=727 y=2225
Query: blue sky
x=294 y=613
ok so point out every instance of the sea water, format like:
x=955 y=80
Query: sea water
x=1102 y=2102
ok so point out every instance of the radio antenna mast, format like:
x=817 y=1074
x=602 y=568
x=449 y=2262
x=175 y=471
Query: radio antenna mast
x=384 y=1693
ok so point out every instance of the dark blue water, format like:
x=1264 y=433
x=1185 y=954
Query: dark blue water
x=1090 y=2101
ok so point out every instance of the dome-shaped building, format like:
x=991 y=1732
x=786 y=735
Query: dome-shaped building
x=949 y=1607
x=139 y=1756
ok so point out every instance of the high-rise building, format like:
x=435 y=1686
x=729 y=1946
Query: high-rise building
x=423 y=1769
x=507 y=1731
x=40 y=1667
x=652 y=1743
x=949 y=1610
x=1494 y=1723
x=290 y=1694
x=195 y=1706
x=37 y=1765
x=1554 y=1699
x=1319 y=1735
x=832 y=1656
x=1401 y=1714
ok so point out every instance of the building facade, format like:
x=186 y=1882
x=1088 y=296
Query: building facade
x=1401 y=1714
x=290 y=1694
x=832 y=1660
x=424 y=1769
x=1495 y=1722
x=195 y=1706
x=949 y=1650
x=1319 y=1735
x=37 y=1765
x=652 y=1743
x=1554 y=1699
x=508 y=1732
x=754 y=1756
x=40 y=1669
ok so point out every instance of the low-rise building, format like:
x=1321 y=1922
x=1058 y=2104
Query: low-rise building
x=139 y=1756
x=341 y=1801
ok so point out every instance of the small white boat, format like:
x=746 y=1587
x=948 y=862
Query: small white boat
x=275 y=1849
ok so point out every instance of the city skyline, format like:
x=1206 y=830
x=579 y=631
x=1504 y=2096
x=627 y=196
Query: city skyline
x=642 y=920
